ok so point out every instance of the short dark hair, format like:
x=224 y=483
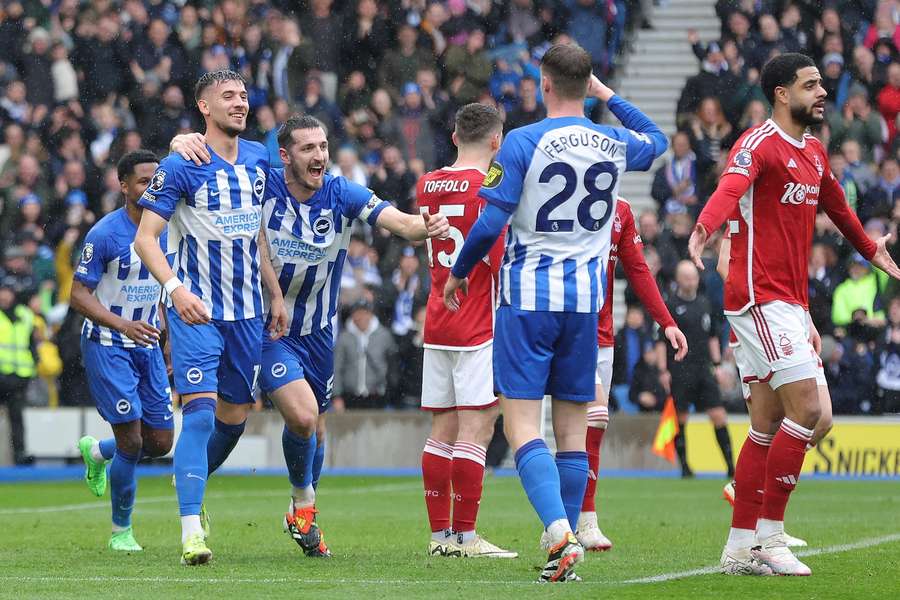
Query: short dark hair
x=125 y=166
x=569 y=67
x=215 y=78
x=476 y=122
x=285 y=137
x=781 y=71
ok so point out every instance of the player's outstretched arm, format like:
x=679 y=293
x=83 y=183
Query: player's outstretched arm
x=279 y=322
x=191 y=147
x=478 y=243
x=146 y=243
x=632 y=118
x=732 y=186
x=84 y=301
x=413 y=227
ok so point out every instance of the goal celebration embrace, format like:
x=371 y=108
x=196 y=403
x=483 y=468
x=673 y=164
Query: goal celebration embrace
x=395 y=298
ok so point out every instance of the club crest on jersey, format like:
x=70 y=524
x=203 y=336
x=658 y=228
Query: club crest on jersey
x=322 y=225
x=194 y=375
x=743 y=159
x=123 y=406
x=259 y=186
x=819 y=166
x=87 y=253
x=494 y=176
x=784 y=343
x=156 y=184
x=279 y=370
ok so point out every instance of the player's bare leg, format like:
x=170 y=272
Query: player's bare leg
x=588 y=531
x=476 y=426
x=297 y=404
x=437 y=464
x=540 y=475
x=719 y=419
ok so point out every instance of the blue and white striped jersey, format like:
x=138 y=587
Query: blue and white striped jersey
x=121 y=283
x=308 y=244
x=559 y=179
x=214 y=214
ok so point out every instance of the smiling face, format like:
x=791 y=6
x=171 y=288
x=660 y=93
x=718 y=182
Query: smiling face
x=225 y=105
x=307 y=157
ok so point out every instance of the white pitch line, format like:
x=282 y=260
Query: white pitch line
x=376 y=489
x=858 y=545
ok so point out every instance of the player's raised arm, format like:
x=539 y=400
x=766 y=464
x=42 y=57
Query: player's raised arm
x=481 y=239
x=413 y=227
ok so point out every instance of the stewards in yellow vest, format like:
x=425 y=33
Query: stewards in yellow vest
x=17 y=363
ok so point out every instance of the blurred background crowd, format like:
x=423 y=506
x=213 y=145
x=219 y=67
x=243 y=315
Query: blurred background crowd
x=83 y=82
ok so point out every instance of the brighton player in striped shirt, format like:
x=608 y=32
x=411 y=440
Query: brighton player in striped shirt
x=555 y=183
x=307 y=219
x=215 y=312
x=125 y=368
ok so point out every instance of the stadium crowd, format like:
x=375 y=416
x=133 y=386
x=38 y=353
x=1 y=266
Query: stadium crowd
x=84 y=82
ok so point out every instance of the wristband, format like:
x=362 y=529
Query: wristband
x=172 y=285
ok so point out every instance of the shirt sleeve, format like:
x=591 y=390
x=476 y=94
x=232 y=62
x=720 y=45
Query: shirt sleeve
x=362 y=203
x=831 y=195
x=502 y=186
x=166 y=188
x=637 y=272
x=93 y=260
x=644 y=140
x=743 y=167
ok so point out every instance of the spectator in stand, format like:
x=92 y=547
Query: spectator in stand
x=711 y=136
x=675 y=183
x=860 y=171
x=468 y=68
x=314 y=103
x=521 y=21
x=793 y=30
x=864 y=72
x=715 y=80
x=771 y=39
x=431 y=36
x=739 y=30
x=292 y=60
x=415 y=128
x=755 y=114
x=101 y=59
x=504 y=84
x=528 y=110
x=857 y=121
x=646 y=391
x=347 y=165
x=835 y=80
x=401 y=65
x=587 y=27
x=885 y=26
x=404 y=292
x=360 y=272
x=156 y=54
x=879 y=199
x=366 y=37
x=393 y=180
x=362 y=357
x=325 y=31
x=889 y=102
x=860 y=291
x=65 y=79
x=654 y=237
x=838 y=165
x=631 y=341
x=888 y=377
x=832 y=30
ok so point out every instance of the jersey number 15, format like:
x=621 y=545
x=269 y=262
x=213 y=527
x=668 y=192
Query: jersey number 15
x=446 y=259
x=595 y=194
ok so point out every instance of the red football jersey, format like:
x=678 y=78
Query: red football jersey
x=454 y=193
x=626 y=244
x=777 y=183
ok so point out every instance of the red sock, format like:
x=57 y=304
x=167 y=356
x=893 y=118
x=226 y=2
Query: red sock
x=598 y=419
x=783 y=468
x=749 y=477
x=436 y=462
x=467 y=474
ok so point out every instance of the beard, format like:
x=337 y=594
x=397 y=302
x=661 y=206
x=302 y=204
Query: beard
x=805 y=116
x=299 y=175
x=231 y=130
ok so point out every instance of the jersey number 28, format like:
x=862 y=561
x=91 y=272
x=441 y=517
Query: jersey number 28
x=560 y=169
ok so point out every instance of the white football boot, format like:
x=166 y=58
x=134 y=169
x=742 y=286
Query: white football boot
x=741 y=562
x=774 y=552
x=589 y=534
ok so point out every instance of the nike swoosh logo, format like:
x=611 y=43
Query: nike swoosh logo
x=169 y=418
x=192 y=476
x=280 y=215
x=214 y=193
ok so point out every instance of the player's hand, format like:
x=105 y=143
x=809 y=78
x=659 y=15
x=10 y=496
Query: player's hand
x=814 y=338
x=882 y=258
x=697 y=243
x=598 y=89
x=279 y=321
x=436 y=226
x=678 y=341
x=189 y=307
x=192 y=147
x=451 y=298
x=141 y=333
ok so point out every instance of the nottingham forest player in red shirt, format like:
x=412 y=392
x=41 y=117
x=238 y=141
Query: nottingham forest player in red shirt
x=626 y=248
x=458 y=377
x=776 y=177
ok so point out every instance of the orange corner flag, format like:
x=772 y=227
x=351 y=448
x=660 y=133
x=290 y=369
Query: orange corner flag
x=664 y=440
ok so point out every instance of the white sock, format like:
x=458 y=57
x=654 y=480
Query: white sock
x=767 y=527
x=303 y=497
x=558 y=530
x=95 y=452
x=441 y=536
x=464 y=537
x=740 y=539
x=190 y=525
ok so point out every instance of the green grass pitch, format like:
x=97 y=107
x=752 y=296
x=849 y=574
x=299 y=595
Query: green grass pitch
x=53 y=537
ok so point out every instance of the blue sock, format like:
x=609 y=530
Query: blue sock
x=540 y=478
x=573 y=474
x=222 y=441
x=190 y=454
x=299 y=455
x=108 y=447
x=122 y=486
x=318 y=460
